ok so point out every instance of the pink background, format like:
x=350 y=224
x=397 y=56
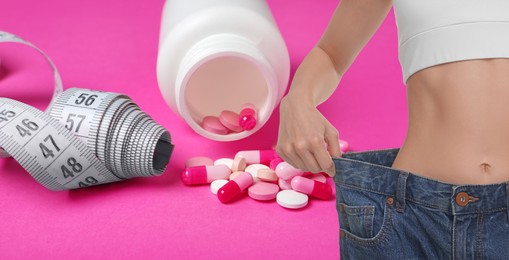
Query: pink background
x=112 y=46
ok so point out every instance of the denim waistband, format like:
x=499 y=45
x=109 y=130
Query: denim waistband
x=371 y=171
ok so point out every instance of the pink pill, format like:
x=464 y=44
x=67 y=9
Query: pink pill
x=234 y=187
x=285 y=171
x=257 y=156
x=239 y=164
x=230 y=120
x=199 y=161
x=213 y=125
x=263 y=191
x=205 y=174
x=247 y=118
x=318 y=177
x=312 y=188
x=343 y=146
x=267 y=175
x=273 y=164
x=284 y=185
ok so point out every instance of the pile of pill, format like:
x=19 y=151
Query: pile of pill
x=263 y=174
x=231 y=122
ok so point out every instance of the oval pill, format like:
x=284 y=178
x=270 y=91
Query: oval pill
x=253 y=170
x=312 y=188
x=239 y=164
x=234 y=187
x=263 y=191
x=230 y=120
x=216 y=185
x=291 y=199
x=267 y=175
x=199 y=161
x=285 y=171
x=224 y=161
x=213 y=125
x=258 y=156
x=205 y=174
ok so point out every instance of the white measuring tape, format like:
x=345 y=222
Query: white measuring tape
x=84 y=138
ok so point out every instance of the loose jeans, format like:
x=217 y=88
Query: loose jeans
x=385 y=213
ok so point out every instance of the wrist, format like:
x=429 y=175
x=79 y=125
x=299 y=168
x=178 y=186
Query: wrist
x=301 y=97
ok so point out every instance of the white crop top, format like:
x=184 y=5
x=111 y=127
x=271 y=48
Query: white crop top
x=432 y=32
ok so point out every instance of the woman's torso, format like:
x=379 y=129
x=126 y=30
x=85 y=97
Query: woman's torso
x=458 y=128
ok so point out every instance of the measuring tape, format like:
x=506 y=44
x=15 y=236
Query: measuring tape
x=84 y=138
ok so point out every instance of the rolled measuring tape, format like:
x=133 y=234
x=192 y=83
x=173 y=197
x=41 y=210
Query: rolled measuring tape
x=84 y=138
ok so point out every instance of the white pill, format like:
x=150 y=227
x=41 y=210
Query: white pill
x=224 y=161
x=216 y=185
x=253 y=169
x=291 y=199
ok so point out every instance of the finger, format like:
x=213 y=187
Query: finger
x=332 y=140
x=288 y=154
x=324 y=160
x=308 y=159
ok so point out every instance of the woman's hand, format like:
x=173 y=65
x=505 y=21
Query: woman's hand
x=306 y=139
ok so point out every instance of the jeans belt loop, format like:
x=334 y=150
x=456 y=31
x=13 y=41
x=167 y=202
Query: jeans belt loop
x=401 y=191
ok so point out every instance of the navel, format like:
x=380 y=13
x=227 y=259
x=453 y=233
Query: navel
x=485 y=167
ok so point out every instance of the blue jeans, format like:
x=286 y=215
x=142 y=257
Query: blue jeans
x=385 y=213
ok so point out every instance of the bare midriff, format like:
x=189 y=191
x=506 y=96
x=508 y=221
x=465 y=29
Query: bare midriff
x=458 y=127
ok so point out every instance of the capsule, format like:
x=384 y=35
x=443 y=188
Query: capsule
x=257 y=156
x=247 y=117
x=235 y=187
x=274 y=162
x=285 y=171
x=312 y=188
x=205 y=174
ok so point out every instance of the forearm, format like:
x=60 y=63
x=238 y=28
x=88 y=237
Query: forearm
x=316 y=78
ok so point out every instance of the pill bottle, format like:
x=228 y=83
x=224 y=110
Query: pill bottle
x=217 y=55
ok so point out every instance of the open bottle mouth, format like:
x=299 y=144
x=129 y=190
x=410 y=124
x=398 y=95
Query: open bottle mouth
x=226 y=81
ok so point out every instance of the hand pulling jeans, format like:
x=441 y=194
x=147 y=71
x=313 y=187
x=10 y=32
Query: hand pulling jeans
x=386 y=213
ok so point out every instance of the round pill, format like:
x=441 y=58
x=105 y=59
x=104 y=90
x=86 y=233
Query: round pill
x=247 y=117
x=213 y=125
x=318 y=177
x=253 y=169
x=284 y=185
x=199 y=161
x=291 y=199
x=230 y=120
x=239 y=164
x=263 y=191
x=267 y=175
x=224 y=161
x=216 y=185
x=234 y=175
